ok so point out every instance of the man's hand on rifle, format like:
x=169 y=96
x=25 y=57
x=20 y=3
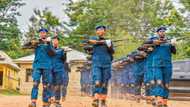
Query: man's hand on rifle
x=157 y=42
x=92 y=41
x=108 y=43
x=34 y=42
x=150 y=49
x=173 y=41
x=96 y=41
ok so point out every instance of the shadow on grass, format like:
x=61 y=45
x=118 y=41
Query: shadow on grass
x=9 y=92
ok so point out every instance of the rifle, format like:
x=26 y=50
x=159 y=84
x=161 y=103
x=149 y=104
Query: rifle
x=85 y=38
x=31 y=44
x=34 y=42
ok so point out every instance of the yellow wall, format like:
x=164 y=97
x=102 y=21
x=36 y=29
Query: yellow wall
x=10 y=77
x=25 y=87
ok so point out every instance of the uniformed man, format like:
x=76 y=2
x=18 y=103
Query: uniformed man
x=65 y=80
x=57 y=70
x=131 y=76
x=125 y=79
x=101 y=65
x=41 y=67
x=161 y=66
x=114 y=78
x=139 y=72
x=149 y=48
x=85 y=78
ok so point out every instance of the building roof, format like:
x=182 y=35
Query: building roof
x=5 y=59
x=25 y=59
x=72 y=55
x=75 y=55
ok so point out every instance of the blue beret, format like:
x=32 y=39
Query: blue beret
x=161 y=28
x=43 y=30
x=101 y=27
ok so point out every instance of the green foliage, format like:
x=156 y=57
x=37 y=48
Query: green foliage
x=10 y=35
x=133 y=19
x=126 y=19
x=42 y=19
x=186 y=3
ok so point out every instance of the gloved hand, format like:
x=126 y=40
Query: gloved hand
x=108 y=43
x=173 y=41
x=67 y=49
x=48 y=39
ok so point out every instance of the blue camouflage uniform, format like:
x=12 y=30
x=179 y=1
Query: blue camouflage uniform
x=117 y=82
x=90 y=84
x=58 y=71
x=121 y=80
x=148 y=73
x=125 y=78
x=85 y=79
x=113 y=82
x=160 y=69
x=101 y=67
x=42 y=66
x=65 y=78
x=131 y=78
x=139 y=75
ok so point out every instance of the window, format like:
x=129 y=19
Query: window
x=28 y=75
x=1 y=78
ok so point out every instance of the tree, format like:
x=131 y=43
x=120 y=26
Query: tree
x=186 y=3
x=134 y=19
x=9 y=33
x=42 y=19
x=47 y=20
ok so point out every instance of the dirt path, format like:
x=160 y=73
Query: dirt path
x=76 y=101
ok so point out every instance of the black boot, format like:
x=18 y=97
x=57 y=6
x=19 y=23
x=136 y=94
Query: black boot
x=58 y=105
x=33 y=104
x=103 y=103
x=154 y=103
x=95 y=103
x=46 y=106
x=165 y=105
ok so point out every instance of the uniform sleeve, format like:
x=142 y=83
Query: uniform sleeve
x=67 y=68
x=50 y=50
x=111 y=49
x=173 y=49
x=64 y=56
x=93 y=38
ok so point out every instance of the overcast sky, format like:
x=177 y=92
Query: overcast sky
x=27 y=10
x=55 y=6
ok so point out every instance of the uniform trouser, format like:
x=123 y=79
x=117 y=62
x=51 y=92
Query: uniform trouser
x=46 y=80
x=65 y=83
x=56 y=84
x=147 y=80
x=131 y=82
x=101 y=74
x=138 y=83
x=159 y=78
x=84 y=81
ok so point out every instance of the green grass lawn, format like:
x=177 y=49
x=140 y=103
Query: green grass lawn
x=9 y=92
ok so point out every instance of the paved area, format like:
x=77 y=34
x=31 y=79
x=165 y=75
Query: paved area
x=77 y=101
